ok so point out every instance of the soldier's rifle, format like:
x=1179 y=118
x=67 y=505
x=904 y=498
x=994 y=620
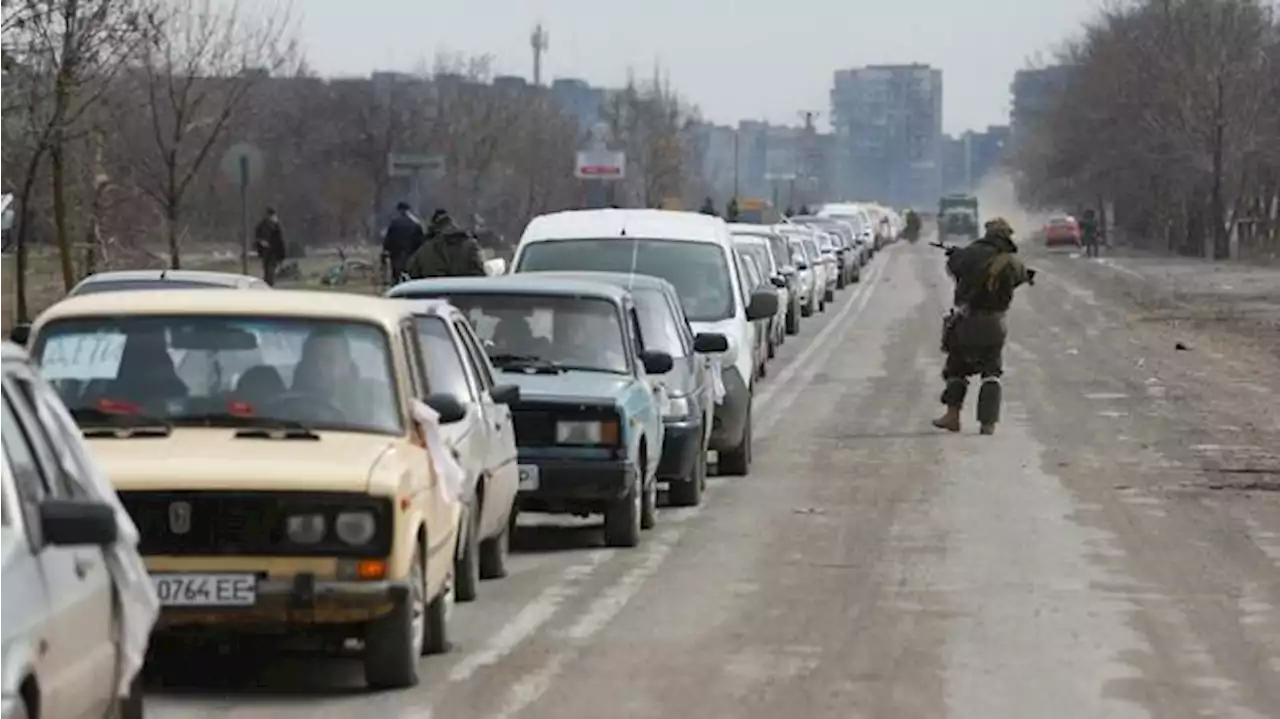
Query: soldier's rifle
x=951 y=249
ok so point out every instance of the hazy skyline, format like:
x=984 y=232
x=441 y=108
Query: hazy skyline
x=734 y=59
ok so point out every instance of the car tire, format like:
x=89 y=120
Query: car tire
x=737 y=462
x=494 y=551
x=622 y=518
x=840 y=280
x=773 y=345
x=830 y=295
x=649 y=508
x=806 y=311
x=688 y=493
x=466 y=569
x=392 y=643
x=857 y=276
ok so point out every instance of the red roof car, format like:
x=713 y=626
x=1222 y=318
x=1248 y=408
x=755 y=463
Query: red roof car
x=1061 y=231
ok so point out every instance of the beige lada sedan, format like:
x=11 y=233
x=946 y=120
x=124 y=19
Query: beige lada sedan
x=270 y=447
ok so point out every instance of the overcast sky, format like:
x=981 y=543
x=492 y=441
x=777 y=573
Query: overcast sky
x=735 y=59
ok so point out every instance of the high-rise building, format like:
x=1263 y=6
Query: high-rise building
x=888 y=127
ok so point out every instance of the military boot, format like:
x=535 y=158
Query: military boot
x=989 y=406
x=949 y=421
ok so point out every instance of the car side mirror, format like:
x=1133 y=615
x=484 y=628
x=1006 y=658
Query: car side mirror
x=656 y=362
x=505 y=394
x=778 y=281
x=76 y=522
x=763 y=305
x=448 y=406
x=20 y=334
x=710 y=343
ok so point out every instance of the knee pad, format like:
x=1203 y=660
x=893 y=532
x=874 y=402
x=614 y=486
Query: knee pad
x=953 y=394
x=989 y=402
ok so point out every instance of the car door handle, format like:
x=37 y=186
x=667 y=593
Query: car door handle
x=82 y=566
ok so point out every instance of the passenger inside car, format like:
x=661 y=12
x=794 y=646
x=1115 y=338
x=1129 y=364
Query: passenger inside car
x=147 y=374
x=589 y=339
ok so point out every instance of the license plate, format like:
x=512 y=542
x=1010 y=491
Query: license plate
x=528 y=477
x=206 y=590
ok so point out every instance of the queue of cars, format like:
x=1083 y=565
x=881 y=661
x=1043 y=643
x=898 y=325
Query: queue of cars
x=331 y=470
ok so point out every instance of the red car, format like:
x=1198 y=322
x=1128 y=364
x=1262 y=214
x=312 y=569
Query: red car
x=1062 y=231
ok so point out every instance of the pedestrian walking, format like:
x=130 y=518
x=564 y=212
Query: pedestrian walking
x=404 y=236
x=269 y=242
x=986 y=273
x=1089 y=233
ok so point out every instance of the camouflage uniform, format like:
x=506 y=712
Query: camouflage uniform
x=986 y=273
x=451 y=252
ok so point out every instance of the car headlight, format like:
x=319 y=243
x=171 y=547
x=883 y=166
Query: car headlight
x=355 y=528
x=305 y=528
x=590 y=432
x=677 y=407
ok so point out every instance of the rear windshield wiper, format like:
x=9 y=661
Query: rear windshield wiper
x=100 y=423
x=250 y=427
x=524 y=363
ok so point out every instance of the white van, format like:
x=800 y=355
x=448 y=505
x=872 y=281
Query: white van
x=693 y=252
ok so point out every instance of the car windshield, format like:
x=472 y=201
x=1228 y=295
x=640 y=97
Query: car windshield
x=698 y=270
x=223 y=371
x=758 y=252
x=91 y=288
x=524 y=331
x=658 y=322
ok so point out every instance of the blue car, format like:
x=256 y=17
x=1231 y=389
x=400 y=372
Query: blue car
x=589 y=431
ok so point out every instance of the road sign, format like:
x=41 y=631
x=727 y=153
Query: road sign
x=242 y=156
x=403 y=164
x=600 y=165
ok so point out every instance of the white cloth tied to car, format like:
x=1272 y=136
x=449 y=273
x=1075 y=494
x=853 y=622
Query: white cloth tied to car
x=716 y=366
x=139 y=605
x=450 y=475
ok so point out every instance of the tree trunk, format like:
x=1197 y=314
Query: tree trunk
x=171 y=230
x=1217 y=209
x=58 y=170
x=20 y=248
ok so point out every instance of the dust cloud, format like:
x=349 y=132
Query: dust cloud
x=997 y=198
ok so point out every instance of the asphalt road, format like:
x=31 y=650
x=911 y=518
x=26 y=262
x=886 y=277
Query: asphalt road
x=1114 y=551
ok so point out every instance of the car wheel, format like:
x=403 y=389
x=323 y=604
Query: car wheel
x=830 y=295
x=773 y=343
x=806 y=311
x=857 y=275
x=494 y=551
x=466 y=568
x=793 y=319
x=393 y=643
x=737 y=462
x=622 y=518
x=688 y=493
x=840 y=280
x=649 y=509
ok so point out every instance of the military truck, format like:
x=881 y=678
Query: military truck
x=958 y=219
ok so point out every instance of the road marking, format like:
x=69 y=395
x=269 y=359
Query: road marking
x=534 y=614
x=531 y=686
x=1106 y=395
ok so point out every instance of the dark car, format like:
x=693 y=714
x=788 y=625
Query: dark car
x=687 y=393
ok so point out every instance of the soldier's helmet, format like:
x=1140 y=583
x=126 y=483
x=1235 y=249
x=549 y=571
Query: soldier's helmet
x=999 y=227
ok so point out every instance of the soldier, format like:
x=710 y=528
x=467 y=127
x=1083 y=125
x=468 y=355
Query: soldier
x=708 y=207
x=912 y=229
x=269 y=241
x=986 y=271
x=1089 y=233
x=449 y=252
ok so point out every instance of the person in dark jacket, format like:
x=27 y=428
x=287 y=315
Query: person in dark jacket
x=1089 y=234
x=451 y=252
x=404 y=236
x=986 y=272
x=708 y=207
x=269 y=242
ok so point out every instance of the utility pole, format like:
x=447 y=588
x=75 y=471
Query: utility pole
x=538 y=41
x=810 y=160
x=736 y=156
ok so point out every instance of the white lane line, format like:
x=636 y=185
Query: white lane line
x=533 y=616
x=530 y=687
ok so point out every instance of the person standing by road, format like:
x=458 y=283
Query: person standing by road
x=449 y=252
x=269 y=242
x=1089 y=233
x=986 y=272
x=404 y=236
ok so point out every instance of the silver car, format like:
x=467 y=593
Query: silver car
x=78 y=605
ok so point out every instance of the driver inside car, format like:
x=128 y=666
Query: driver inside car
x=147 y=375
x=512 y=335
x=589 y=339
x=327 y=376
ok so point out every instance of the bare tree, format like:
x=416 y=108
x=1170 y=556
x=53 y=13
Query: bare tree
x=199 y=69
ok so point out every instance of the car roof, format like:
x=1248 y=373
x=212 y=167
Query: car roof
x=247 y=302
x=431 y=307
x=643 y=224
x=538 y=283
x=226 y=279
